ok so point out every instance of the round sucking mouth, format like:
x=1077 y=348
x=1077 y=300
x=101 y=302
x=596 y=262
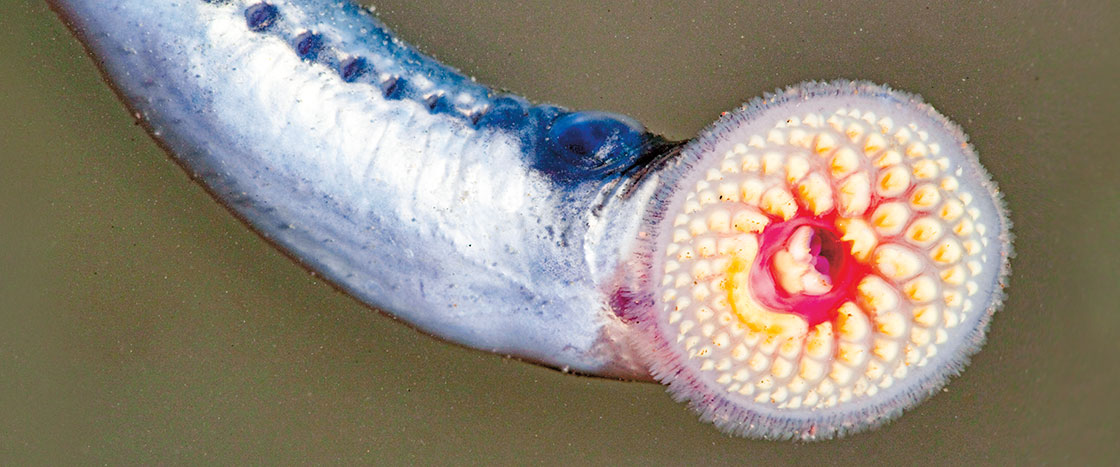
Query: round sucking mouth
x=826 y=257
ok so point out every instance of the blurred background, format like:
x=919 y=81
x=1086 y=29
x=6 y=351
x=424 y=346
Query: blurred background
x=141 y=322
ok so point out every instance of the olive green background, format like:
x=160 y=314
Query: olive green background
x=140 y=322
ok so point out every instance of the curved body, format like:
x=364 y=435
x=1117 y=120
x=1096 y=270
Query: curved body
x=401 y=181
x=809 y=266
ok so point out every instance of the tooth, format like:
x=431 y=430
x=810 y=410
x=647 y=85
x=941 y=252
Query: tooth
x=841 y=374
x=750 y=163
x=811 y=370
x=885 y=349
x=885 y=124
x=740 y=352
x=749 y=221
x=844 y=162
x=949 y=184
x=890 y=324
x=876 y=295
x=890 y=218
x=902 y=136
x=920 y=337
x=772 y=162
x=888 y=158
x=855 y=131
x=896 y=262
x=697 y=227
x=917 y=150
x=816 y=194
x=779 y=202
x=758 y=362
x=954 y=275
x=952 y=298
x=777 y=137
x=799 y=137
x=851 y=322
x=874 y=143
x=971 y=247
x=963 y=228
x=893 y=181
x=920 y=290
x=719 y=221
x=855 y=195
x=751 y=191
x=851 y=354
x=781 y=368
x=728 y=192
x=741 y=148
x=825 y=144
x=818 y=345
x=926 y=315
x=924 y=231
x=859 y=234
x=925 y=169
x=951 y=210
x=925 y=197
x=796 y=167
x=947 y=252
x=728 y=165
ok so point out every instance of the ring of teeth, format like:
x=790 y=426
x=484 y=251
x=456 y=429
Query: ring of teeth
x=898 y=209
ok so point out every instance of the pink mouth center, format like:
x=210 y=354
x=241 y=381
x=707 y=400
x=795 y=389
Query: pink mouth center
x=805 y=269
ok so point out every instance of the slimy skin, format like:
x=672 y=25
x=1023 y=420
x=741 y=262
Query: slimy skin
x=809 y=266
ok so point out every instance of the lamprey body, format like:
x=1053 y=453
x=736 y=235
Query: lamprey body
x=809 y=266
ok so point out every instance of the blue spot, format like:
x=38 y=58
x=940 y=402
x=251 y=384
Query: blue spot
x=261 y=16
x=352 y=68
x=592 y=143
x=308 y=45
x=392 y=87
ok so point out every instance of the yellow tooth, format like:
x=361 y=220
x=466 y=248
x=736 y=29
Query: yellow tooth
x=698 y=227
x=874 y=143
x=876 y=295
x=885 y=124
x=885 y=349
x=781 y=368
x=855 y=195
x=825 y=144
x=926 y=315
x=719 y=221
x=893 y=181
x=951 y=210
x=811 y=370
x=971 y=247
x=952 y=298
x=796 y=168
x=819 y=343
x=890 y=218
x=855 y=131
x=890 y=324
x=920 y=290
x=852 y=323
x=888 y=158
x=947 y=252
x=920 y=337
x=925 y=197
x=841 y=374
x=706 y=247
x=728 y=165
x=925 y=169
x=801 y=138
x=954 y=275
x=896 y=262
x=859 y=235
x=728 y=192
x=751 y=163
x=851 y=353
x=751 y=191
x=917 y=150
x=924 y=231
x=963 y=228
x=844 y=162
x=949 y=184
x=772 y=162
x=902 y=136
x=815 y=193
x=749 y=221
x=779 y=202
